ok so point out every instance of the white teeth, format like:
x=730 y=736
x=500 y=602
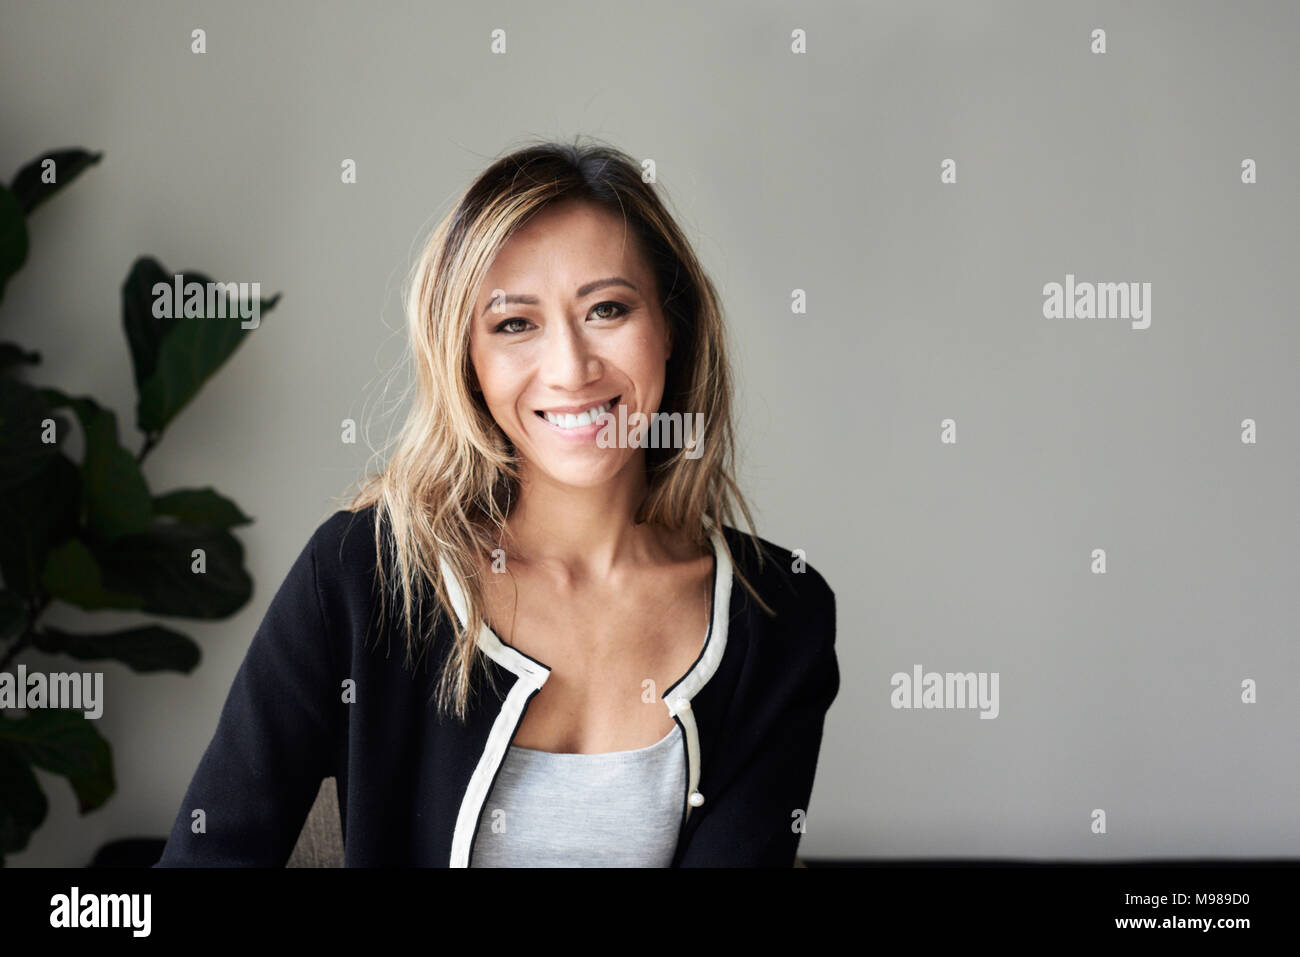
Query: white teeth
x=568 y=420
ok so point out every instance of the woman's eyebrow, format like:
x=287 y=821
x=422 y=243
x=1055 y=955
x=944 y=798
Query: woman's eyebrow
x=523 y=299
x=602 y=283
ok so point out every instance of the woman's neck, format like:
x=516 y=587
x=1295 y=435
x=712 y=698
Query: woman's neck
x=588 y=532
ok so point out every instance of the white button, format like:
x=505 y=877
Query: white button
x=696 y=799
x=682 y=704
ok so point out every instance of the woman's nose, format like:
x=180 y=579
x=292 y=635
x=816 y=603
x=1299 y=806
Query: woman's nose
x=568 y=361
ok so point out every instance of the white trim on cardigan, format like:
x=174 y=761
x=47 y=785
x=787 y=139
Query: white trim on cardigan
x=532 y=675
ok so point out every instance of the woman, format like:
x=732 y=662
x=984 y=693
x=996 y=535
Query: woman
x=597 y=693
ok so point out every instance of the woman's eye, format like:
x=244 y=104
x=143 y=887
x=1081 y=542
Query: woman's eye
x=508 y=325
x=603 y=310
x=622 y=309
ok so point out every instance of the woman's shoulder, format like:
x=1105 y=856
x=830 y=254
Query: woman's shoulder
x=797 y=642
x=783 y=576
x=343 y=545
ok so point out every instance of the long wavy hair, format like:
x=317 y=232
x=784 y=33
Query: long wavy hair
x=447 y=486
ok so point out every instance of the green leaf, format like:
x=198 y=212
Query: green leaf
x=175 y=353
x=145 y=649
x=13 y=237
x=202 y=507
x=23 y=453
x=117 y=498
x=34 y=516
x=64 y=741
x=28 y=187
x=72 y=575
x=23 y=805
x=14 y=355
x=157 y=565
x=94 y=788
x=144 y=330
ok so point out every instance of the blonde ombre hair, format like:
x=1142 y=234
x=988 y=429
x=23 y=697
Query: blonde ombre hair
x=447 y=487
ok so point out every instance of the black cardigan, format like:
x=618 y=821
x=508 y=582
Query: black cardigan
x=411 y=787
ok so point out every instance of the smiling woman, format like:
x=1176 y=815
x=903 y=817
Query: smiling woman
x=585 y=297
x=570 y=353
x=594 y=674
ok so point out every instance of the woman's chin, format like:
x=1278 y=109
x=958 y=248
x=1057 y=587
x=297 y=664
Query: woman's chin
x=579 y=469
x=581 y=477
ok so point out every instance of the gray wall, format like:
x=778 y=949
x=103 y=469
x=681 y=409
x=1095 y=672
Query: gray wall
x=1119 y=691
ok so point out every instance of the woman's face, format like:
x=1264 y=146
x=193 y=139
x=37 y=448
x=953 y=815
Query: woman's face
x=568 y=321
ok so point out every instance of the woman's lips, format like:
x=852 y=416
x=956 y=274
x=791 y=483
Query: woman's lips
x=583 y=432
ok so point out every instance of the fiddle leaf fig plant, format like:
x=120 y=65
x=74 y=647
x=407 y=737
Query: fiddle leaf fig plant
x=93 y=534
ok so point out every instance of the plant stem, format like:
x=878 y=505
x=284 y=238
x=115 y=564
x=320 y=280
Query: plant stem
x=150 y=440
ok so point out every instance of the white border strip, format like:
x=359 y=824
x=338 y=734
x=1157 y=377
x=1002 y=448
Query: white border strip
x=531 y=677
x=679 y=705
x=481 y=780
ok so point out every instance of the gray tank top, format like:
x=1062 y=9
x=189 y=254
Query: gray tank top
x=617 y=809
